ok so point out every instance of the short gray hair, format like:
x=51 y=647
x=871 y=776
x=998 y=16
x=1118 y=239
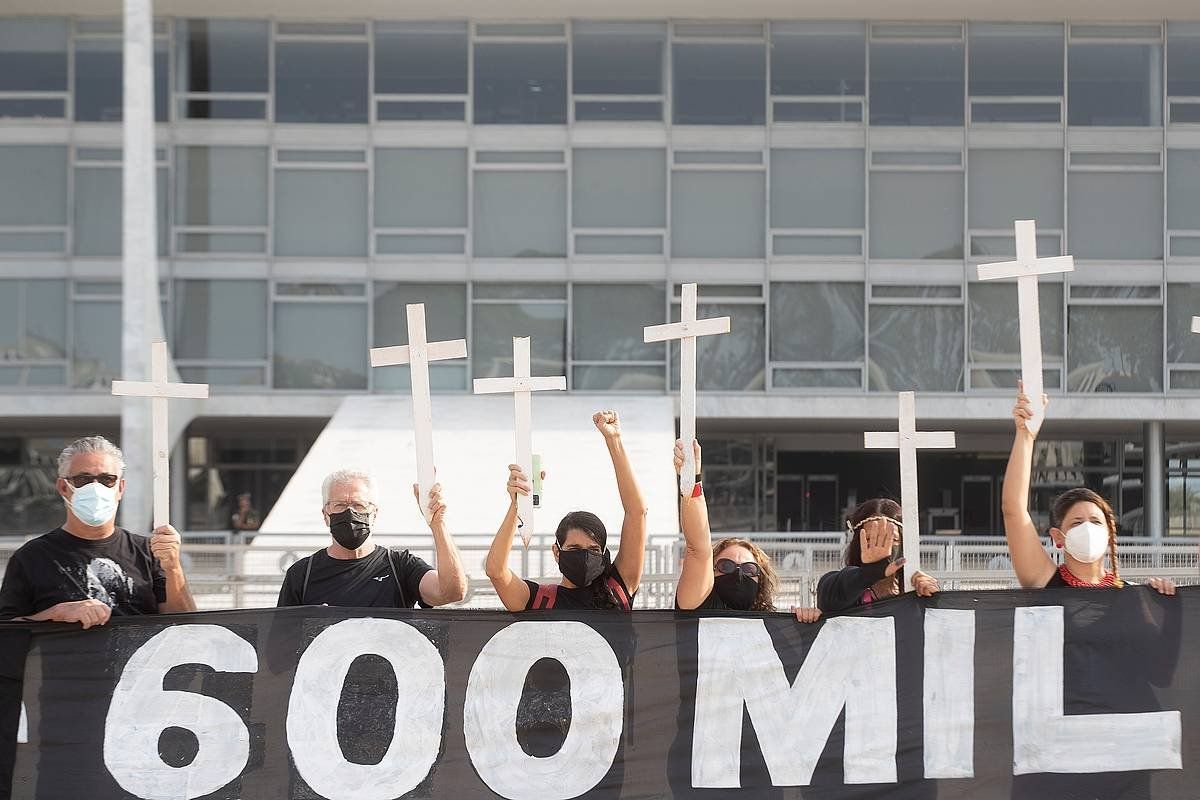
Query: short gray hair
x=346 y=476
x=89 y=444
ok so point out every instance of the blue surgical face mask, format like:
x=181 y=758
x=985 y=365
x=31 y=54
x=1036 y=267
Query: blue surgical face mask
x=94 y=504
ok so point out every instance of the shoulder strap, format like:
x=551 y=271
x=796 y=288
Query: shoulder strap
x=547 y=595
x=307 y=573
x=619 y=592
x=396 y=579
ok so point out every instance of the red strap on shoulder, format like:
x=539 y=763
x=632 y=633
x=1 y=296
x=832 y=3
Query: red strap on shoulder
x=546 y=596
x=619 y=592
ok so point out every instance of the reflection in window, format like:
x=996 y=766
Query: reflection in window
x=717 y=214
x=995 y=331
x=916 y=348
x=307 y=357
x=221 y=55
x=818 y=58
x=618 y=58
x=33 y=327
x=520 y=214
x=96 y=356
x=916 y=214
x=1007 y=185
x=220 y=320
x=619 y=188
x=817 y=189
x=33 y=59
x=1183 y=189
x=608 y=321
x=523 y=83
x=916 y=84
x=719 y=84
x=320 y=212
x=734 y=362
x=1183 y=299
x=1114 y=349
x=98 y=71
x=1115 y=215
x=1115 y=84
x=817 y=322
x=445 y=319
x=320 y=81
x=420 y=188
x=495 y=324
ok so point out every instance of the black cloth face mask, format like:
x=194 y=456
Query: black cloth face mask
x=737 y=591
x=581 y=567
x=350 y=528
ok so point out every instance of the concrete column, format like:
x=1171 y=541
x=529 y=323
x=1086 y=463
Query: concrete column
x=1154 y=480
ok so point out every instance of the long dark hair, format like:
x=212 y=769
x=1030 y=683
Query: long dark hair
x=875 y=507
x=593 y=527
x=1063 y=504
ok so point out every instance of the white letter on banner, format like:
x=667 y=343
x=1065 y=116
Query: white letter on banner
x=949 y=707
x=23 y=726
x=316 y=694
x=141 y=710
x=1045 y=740
x=851 y=664
x=494 y=692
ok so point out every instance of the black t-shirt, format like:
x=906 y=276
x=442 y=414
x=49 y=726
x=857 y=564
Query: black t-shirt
x=373 y=581
x=711 y=603
x=56 y=567
x=583 y=597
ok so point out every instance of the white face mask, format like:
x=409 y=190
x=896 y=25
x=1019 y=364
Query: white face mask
x=94 y=504
x=1087 y=542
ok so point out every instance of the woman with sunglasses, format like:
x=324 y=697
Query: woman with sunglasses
x=734 y=574
x=872 y=561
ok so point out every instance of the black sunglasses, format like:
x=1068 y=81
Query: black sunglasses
x=81 y=480
x=727 y=566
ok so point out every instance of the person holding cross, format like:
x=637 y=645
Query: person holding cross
x=89 y=569
x=590 y=580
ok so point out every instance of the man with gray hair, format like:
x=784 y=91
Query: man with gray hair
x=89 y=569
x=352 y=571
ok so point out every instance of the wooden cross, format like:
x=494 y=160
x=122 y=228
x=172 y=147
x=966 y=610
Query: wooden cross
x=686 y=331
x=159 y=390
x=1026 y=270
x=521 y=385
x=418 y=353
x=908 y=440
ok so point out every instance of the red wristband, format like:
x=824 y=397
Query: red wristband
x=697 y=490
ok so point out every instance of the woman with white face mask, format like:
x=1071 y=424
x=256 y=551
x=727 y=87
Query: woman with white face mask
x=1083 y=526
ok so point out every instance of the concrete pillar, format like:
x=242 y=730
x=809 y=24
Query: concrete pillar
x=1154 y=480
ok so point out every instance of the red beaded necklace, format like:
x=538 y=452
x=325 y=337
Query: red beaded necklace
x=1107 y=582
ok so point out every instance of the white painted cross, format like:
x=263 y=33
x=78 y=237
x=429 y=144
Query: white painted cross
x=1026 y=270
x=159 y=390
x=418 y=353
x=1195 y=324
x=686 y=331
x=521 y=385
x=907 y=440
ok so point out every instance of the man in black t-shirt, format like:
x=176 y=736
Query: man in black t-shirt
x=352 y=571
x=89 y=569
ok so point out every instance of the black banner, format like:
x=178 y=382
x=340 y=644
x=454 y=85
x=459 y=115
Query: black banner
x=1051 y=694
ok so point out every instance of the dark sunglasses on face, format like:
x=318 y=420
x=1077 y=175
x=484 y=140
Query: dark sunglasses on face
x=81 y=480
x=727 y=566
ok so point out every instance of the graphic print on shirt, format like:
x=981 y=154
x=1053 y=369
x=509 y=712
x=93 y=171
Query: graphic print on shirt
x=102 y=579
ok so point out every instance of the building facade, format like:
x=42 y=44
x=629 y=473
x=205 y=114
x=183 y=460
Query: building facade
x=831 y=185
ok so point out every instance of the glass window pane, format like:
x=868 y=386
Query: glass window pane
x=97 y=212
x=817 y=189
x=916 y=214
x=1114 y=349
x=916 y=84
x=420 y=188
x=1115 y=84
x=222 y=55
x=719 y=84
x=788 y=378
x=1183 y=301
x=445 y=319
x=98 y=69
x=618 y=58
x=995 y=326
x=619 y=188
x=718 y=214
x=96 y=360
x=609 y=320
x=624 y=378
x=307 y=356
x=521 y=84
x=33 y=185
x=1115 y=215
x=735 y=362
x=520 y=215
x=33 y=54
x=495 y=325
x=320 y=213
x=1016 y=60
x=817 y=322
x=1183 y=189
x=1183 y=59
x=916 y=348
x=1007 y=185
x=813 y=58
x=221 y=186
x=45 y=335
x=220 y=319
x=11 y=298
x=321 y=82
x=421 y=58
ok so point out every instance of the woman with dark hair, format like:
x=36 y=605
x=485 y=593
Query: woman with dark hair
x=872 y=561
x=590 y=579
x=1082 y=525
